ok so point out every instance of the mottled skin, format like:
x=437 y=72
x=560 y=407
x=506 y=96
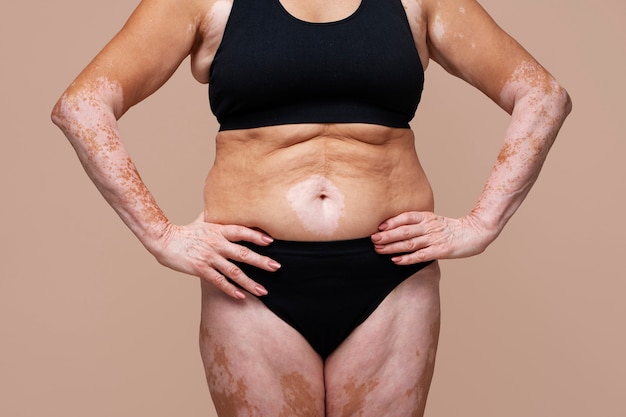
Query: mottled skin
x=318 y=203
x=256 y=365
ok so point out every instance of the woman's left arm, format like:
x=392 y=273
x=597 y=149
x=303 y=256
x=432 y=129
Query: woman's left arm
x=464 y=40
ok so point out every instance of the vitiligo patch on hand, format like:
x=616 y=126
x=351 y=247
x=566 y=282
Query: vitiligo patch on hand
x=318 y=203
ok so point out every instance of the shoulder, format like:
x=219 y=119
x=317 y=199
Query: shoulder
x=431 y=20
x=440 y=14
x=464 y=39
x=147 y=50
x=162 y=19
x=174 y=15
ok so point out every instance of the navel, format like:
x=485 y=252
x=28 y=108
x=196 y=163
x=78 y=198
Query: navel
x=318 y=203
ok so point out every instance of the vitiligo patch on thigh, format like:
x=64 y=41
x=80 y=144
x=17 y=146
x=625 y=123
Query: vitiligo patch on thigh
x=318 y=203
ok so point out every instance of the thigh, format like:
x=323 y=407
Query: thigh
x=386 y=365
x=256 y=364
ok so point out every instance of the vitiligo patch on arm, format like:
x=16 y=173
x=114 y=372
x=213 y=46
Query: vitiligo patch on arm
x=88 y=120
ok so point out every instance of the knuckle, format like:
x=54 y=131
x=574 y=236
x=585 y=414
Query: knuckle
x=234 y=272
x=219 y=280
x=420 y=256
x=244 y=252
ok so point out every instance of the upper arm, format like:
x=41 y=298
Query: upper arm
x=466 y=41
x=145 y=52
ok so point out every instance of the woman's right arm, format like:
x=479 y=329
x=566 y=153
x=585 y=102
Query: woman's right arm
x=138 y=60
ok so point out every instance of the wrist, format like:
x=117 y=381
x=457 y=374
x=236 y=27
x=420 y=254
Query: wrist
x=157 y=239
x=488 y=227
x=152 y=231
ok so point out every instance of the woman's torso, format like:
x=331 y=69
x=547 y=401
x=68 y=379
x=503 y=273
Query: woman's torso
x=310 y=181
x=315 y=182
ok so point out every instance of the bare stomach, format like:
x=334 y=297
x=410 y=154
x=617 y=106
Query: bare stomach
x=315 y=182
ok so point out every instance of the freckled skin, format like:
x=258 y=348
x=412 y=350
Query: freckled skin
x=299 y=397
x=493 y=62
x=92 y=130
x=420 y=391
x=387 y=387
x=357 y=394
x=535 y=123
x=230 y=399
x=255 y=363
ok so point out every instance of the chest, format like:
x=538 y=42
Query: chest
x=315 y=13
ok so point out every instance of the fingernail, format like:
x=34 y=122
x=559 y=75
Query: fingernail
x=240 y=295
x=267 y=239
x=383 y=226
x=274 y=265
x=260 y=290
x=376 y=238
x=396 y=259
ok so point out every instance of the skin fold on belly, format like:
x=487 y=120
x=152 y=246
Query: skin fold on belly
x=314 y=206
x=310 y=182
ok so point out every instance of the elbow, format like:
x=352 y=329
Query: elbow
x=63 y=114
x=558 y=106
x=562 y=107
x=558 y=101
x=98 y=102
x=563 y=101
x=57 y=115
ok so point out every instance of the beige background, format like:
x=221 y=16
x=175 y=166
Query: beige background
x=91 y=325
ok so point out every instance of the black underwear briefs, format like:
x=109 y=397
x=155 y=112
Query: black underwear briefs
x=326 y=289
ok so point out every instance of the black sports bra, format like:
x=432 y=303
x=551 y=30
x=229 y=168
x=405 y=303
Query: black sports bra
x=272 y=68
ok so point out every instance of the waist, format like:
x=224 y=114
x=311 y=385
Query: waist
x=318 y=189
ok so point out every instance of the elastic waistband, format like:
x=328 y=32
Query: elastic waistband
x=338 y=247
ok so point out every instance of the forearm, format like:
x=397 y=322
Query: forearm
x=88 y=119
x=538 y=113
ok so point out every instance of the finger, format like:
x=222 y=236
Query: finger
x=423 y=255
x=434 y=250
x=234 y=273
x=410 y=217
x=246 y=255
x=404 y=246
x=399 y=234
x=235 y=233
x=220 y=282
